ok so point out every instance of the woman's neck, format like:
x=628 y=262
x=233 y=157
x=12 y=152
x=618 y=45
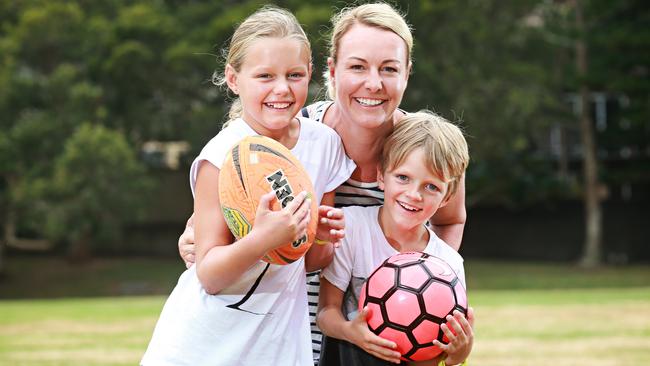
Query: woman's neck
x=362 y=145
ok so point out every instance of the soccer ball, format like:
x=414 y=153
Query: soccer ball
x=409 y=296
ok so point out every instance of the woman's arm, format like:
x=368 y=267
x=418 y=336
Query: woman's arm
x=449 y=221
x=186 y=246
x=331 y=227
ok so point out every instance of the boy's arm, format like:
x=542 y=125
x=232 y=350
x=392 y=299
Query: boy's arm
x=449 y=221
x=332 y=323
x=329 y=318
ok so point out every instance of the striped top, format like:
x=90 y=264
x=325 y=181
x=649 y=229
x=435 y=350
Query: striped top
x=350 y=193
x=355 y=193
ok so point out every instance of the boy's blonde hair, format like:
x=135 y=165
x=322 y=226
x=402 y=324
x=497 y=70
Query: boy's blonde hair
x=377 y=15
x=444 y=145
x=267 y=22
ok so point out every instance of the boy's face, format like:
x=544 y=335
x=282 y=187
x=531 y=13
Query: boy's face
x=412 y=193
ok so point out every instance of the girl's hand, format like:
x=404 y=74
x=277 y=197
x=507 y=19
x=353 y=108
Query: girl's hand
x=460 y=334
x=357 y=332
x=186 y=247
x=331 y=225
x=284 y=226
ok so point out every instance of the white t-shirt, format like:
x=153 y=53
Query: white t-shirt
x=261 y=319
x=365 y=247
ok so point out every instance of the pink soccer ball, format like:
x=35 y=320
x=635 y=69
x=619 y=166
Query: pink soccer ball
x=409 y=296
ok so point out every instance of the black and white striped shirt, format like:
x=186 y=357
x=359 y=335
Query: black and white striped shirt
x=350 y=193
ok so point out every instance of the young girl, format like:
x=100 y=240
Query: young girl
x=231 y=308
x=421 y=166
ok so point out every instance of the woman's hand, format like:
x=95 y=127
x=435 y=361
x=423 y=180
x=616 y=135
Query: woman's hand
x=331 y=225
x=186 y=247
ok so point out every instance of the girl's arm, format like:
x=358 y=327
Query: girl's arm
x=332 y=323
x=330 y=231
x=449 y=221
x=219 y=264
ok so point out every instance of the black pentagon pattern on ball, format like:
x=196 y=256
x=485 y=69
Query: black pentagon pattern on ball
x=423 y=316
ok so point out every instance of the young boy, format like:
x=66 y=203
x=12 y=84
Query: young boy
x=422 y=162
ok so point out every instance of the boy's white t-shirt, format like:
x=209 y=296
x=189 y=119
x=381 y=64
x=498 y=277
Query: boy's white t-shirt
x=267 y=326
x=365 y=247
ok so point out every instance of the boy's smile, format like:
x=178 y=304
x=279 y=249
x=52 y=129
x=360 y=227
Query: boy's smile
x=412 y=193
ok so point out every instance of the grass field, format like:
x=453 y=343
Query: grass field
x=527 y=314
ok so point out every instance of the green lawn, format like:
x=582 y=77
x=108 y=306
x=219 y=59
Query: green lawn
x=96 y=331
x=527 y=314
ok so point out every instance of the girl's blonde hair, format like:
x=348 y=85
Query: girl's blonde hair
x=377 y=15
x=445 y=148
x=267 y=22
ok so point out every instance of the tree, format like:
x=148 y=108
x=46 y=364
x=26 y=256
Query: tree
x=481 y=63
x=97 y=186
x=593 y=216
x=601 y=46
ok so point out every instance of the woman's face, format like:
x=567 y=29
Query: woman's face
x=370 y=75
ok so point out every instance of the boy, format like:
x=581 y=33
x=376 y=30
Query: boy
x=422 y=163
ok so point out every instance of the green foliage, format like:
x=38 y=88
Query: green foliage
x=97 y=186
x=490 y=73
x=617 y=38
x=142 y=70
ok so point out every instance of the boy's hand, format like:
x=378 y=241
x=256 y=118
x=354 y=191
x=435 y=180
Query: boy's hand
x=357 y=332
x=460 y=334
x=331 y=225
x=186 y=247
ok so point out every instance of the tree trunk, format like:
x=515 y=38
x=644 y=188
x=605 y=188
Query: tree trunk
x=2 y=258
x=592 y=250
x=8 y=235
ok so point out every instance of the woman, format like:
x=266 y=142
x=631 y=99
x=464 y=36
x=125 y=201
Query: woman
x=368 y=71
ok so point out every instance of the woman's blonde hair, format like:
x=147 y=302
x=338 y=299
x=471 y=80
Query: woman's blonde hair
x=377 y=15
x=445 y=148
x=267 y=22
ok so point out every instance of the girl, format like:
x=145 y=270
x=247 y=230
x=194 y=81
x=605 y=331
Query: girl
x=232 y=308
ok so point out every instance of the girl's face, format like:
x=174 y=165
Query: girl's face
x=271 y=83
x=412 y=193
x=370 y=75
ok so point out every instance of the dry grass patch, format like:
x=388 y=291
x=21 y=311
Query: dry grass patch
x=570 y=334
